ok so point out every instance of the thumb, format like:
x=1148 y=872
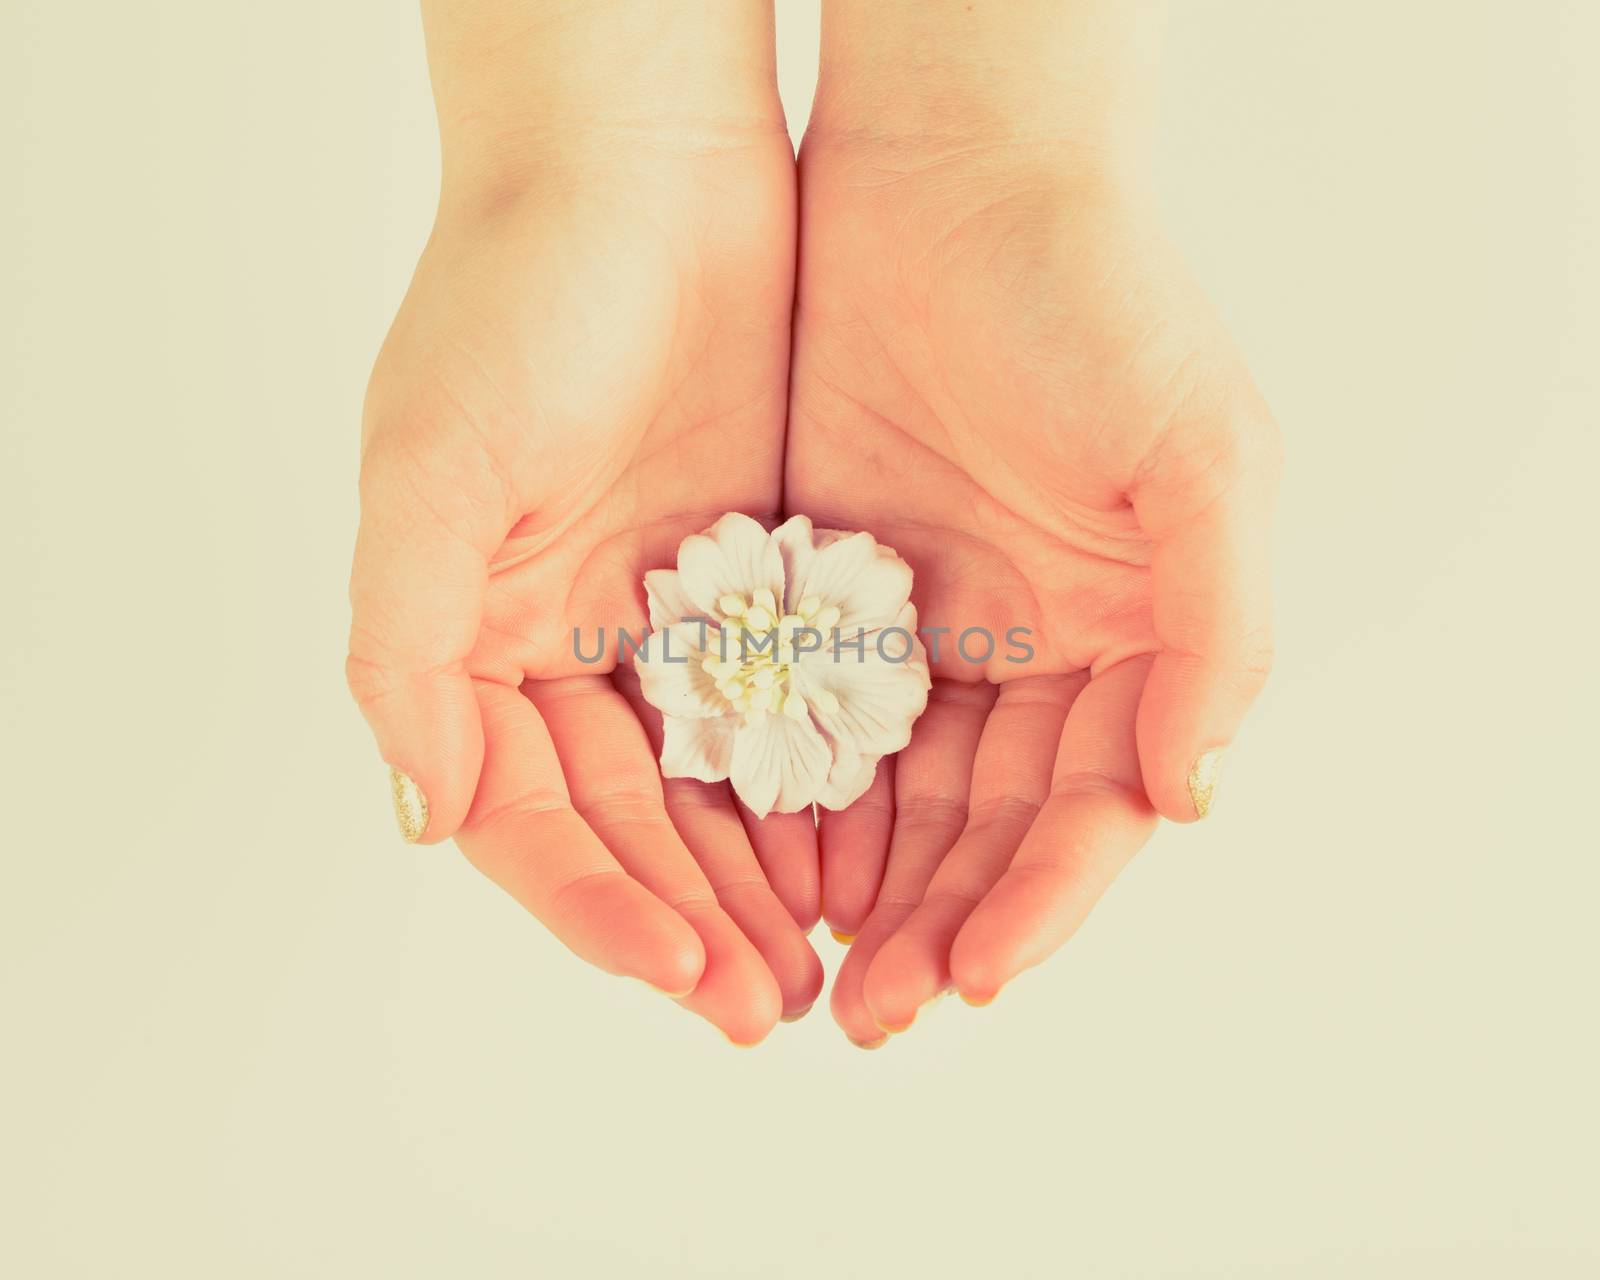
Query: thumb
x=1211 y=599
x=428 y=528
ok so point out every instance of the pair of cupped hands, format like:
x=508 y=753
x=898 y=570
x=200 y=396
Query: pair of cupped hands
x=987 y=358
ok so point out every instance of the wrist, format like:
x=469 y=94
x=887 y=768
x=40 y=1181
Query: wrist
x=1076 y=78
x=523 y=86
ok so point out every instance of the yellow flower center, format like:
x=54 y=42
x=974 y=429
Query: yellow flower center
x=752 y=654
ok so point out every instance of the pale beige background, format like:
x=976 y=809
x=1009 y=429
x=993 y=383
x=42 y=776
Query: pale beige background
x=1346 y=1029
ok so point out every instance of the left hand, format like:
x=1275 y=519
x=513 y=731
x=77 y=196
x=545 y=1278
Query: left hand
x=1006 y=374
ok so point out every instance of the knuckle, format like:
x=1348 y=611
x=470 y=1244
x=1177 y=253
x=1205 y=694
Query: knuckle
x=1006 y=811
x=622 y=808
x=565 y=898
x=691 y=797
x=499 y=820
x=1091 y=784
x=931 y=812
x=367 y=681
x=975 y=696
x=950 y=897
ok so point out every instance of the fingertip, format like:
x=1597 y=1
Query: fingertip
x=805 y=912
x=617 y=925
x=431 y=738
x=846 y=906
x=898 y=982
x=620 y=926
x=1166 y=802
x=844 y=911
x=1189 y=712
x=794 y=964
x=1166 y=734
x=748 y=1022
x=676 y=969
x=845 y=1003
x=844 y=922
x=977 y=973
x=850 y=1015
x=736 y=992
x=1181 y=789
x=788 y=955
x=805 y=992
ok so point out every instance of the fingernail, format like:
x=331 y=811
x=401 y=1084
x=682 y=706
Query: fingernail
x=894 y=1030
x=975 y=1002
x=410 y=805
x=844 y=939
x=1203 y=780
x=795 y=1017
x=871 y=1044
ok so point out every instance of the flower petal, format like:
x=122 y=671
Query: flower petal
x=848 y=780
x=878 y=699
x=669 y=602
x=799 y=542
x=850 y=774
x=697 y=748
x=733 y=557
x=670 y=674
x=868 y=583
x=779 y=763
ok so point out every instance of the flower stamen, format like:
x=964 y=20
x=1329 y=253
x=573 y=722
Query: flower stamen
x=753 y=654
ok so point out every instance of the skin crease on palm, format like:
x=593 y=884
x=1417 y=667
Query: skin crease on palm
x=996 y=367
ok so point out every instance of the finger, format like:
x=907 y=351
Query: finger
x=524 y=834
x=1095 y=819
x=786 y=847
x=428 y=528
x=933 y=777
x=1210 y=585
x=1010 y=781
x=616 y=787
x=854 y=844
x=845 y=1001
x=710 y=827
x=705 y=816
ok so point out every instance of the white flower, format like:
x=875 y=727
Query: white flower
x=787 y=661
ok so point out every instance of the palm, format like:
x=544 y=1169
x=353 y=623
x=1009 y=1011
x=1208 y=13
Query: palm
x=984 y=368
x=621 y=363
x=979 y=376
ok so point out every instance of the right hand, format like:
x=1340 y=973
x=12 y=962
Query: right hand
x=586 y=369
